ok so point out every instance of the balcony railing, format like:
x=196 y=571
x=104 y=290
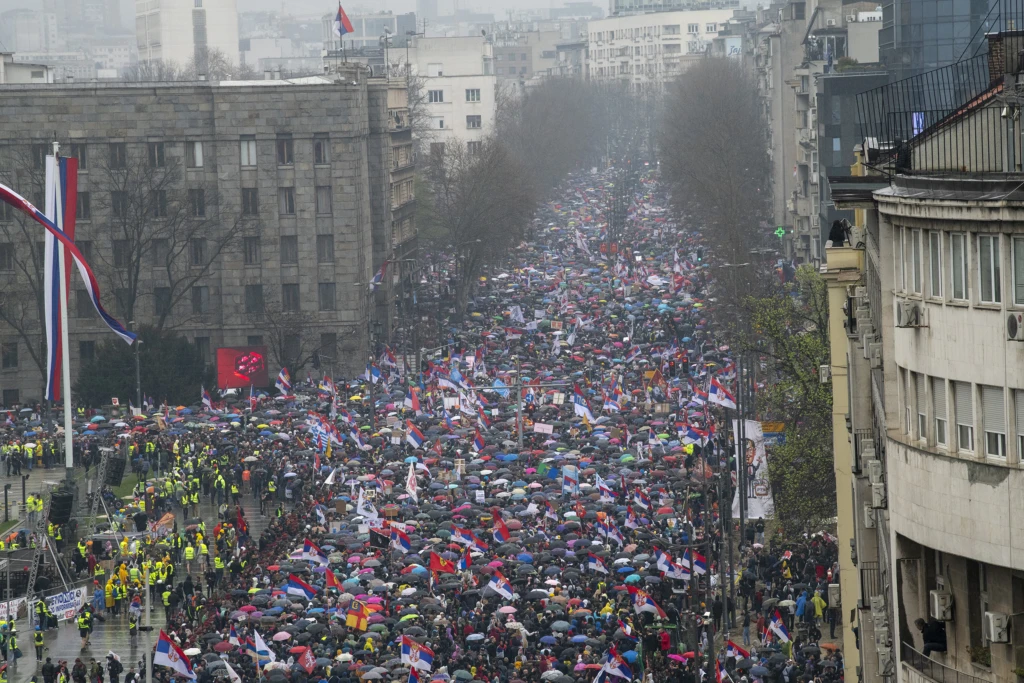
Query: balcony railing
x=936 y=671
x=870 y=580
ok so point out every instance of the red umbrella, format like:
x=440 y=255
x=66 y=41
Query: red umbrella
x=223 y=646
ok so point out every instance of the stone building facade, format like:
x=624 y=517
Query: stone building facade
x=261 y=206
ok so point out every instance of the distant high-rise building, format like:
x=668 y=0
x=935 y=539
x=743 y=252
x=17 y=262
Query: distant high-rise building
x=185 y=30
x=426 y=9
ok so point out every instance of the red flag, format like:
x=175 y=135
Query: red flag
x=441 y=565
x=307 y=661
x=332 y=580
x=243 y=528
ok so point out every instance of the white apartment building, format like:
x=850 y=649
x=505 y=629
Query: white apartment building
x=12 y=72
x=650 y=49
x=459 y=85
x=176 y=32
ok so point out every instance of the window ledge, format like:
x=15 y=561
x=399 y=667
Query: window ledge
x=959 y=303
x=986 y=306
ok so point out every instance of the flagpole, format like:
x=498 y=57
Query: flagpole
x=69 y=457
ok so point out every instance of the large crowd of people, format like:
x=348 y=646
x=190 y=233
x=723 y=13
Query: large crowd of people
x=541 y=500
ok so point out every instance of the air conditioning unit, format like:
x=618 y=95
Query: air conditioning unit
x=994 y=627
x=824 y=373
x=878 y=499
x=869 y=517
x=851 y=18
x=835 y=597
x=1015 y=327
x=909 y=313
x=876 y=357
x=885 y=665
x=813 y=179
x=875 y=471
x=830 y=22
x=814 y=133
x=940 y=605
x=882 y=637
x=868 y=452
x=860 y=292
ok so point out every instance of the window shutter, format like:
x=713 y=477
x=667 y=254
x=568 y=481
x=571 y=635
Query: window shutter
x=964 y=404
x=939 y=397
x=919 y=377
x=1018 y=402
x=992 y=405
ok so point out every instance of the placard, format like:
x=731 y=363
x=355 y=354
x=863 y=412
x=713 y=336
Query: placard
x=541 y=428
x=479 y=496
x=558 y=398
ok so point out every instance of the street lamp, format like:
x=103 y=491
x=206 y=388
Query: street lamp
x=138 y=374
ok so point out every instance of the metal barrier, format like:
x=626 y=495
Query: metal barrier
x=936 y=671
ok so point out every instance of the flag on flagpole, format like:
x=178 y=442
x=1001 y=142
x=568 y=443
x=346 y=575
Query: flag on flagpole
x=207 y=401
x=284 y=382
x=170 y=655
x=62 y=197
x=342 y=25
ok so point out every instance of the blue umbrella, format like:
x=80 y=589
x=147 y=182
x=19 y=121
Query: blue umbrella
x=630 y=655
x=626 y=570
x=579 y=639
x=411 y=459
x=633 y=578
x=525 y=557
x=549 y=640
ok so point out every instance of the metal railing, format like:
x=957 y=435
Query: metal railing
x=936 y=671
x=870 y=580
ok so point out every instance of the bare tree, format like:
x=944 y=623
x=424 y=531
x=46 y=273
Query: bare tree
x=478 y=206
x=210 y=63
x=155 y=70
x=714 y=145
x=162 y=233
x=292 y=337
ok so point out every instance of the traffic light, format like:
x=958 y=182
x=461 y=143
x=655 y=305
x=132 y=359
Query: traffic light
x=672 y=368
x=700 y=253
x=686 y=366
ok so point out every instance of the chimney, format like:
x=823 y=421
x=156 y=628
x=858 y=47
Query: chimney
x=996 y=56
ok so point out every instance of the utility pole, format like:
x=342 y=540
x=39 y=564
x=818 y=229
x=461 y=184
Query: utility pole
x=148 y=627
x=138 y=375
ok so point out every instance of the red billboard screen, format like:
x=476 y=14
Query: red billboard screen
x=238 y=367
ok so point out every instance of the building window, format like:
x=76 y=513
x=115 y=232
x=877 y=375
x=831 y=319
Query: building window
x=1018 y=271
x=156 y=155
x=203 y=347
x=710 y=28
x=83 y=207
x=325 y=248
x=1018 y=407
x=85 y=246
x=254 y=340
x=83 y=304
x=915 y=260
x=964 y=404
x=119 y=203
x=250 y=201
x=11 y=397
x=438 y=122
x=197 y=203
x=6 y=212
x=323 y=200
x=935 y=264
x=325 y=295
x=86 y=351
x=80 y=152
x=6 y=256
x=160 y=204
x=290 y=298
x=162 y=300
x=472 y=94
x=200 y=300
x=329 y=346
x=693 y=28
x=9 y=355
x=474 y=121
x=118 y=155
x=160 y=249
x=435 y=96
x=474 y=146
x=122 y=253
x=939 y=409
x=905 y=378
x=254 y=299
x=436 y=149
x=921 y=405
x=286 y=201
x=989 y=268
x=194 y=154
x=994 y=415
x=289 y=250
x=958 y=266
x=251 y=251
x=321 y=149
x=248 y=150
x=285 y=150
x=435 y=70
x=197 y=251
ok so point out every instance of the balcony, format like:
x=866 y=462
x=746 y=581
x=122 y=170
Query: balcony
x=932 y=670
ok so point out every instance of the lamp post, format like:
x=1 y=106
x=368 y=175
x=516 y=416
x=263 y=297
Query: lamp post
x=138 y=374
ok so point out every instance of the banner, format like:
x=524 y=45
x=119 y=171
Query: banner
x=17 y=607
x=64 y=606
x=757 y=488
x=541 y=428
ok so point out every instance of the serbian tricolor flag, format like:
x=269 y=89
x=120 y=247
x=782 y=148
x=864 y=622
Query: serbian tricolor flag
x=342 y=25
x=642 y=602
x=720 y=395
x=331 y=581
x=311 y=551
x=778 y=627
x=500 y=585
x=596 y=564
x=500 y=532
x=465 y=559
x=412 y=400
x=627 y=630
x=297 y=586
x=170 y=655
x=735 y=651
x=400 y=540
x=414 y=436
x=478 y=442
